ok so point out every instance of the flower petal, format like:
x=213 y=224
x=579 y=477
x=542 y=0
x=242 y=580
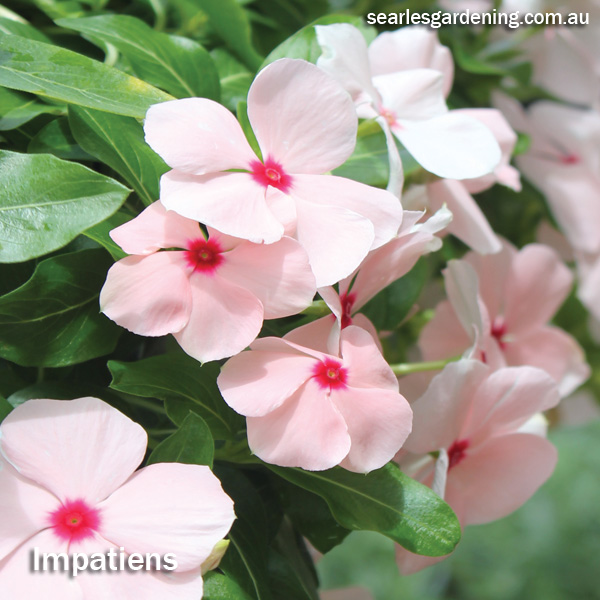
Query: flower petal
x=224 y=320
x=439 y=415
x=77 y=449
x=302 y=117
x=499 y=476
x=468 y=222
x=149 y=295
x=256 y=382
x=230 y=202
x=538 y=283
x=197 y=136
x=443 y=336
x=277 y=274
x=554 y=351
x=451 y=146
x=24 y=507
x=378 y=421
x=336 y=239
x=155 y=228
x=306 y=431
x=169 y=508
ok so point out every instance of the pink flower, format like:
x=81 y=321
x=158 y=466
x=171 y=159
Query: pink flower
x=499 y=306
x=411 y=103
x=212 y=293
x=564 y=163
x=311 y=409
x=381 y=268
x=491 y=456
x=69 y=485
x=305 y=125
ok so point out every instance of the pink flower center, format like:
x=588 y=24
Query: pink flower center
x=270 y=173
x=204 y=255
x=330 y=374
x=457 y=452
x=75 y=521
x=499 y=331
x=570 y=159
x=390 y=116
x=347 y=301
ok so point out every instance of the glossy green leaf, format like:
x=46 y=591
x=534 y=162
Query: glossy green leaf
x=46 y=202
x=386 y=501
x=53 y=72
x=246 y=558
x=17 y=109
x=54 y=320
x=230 y=21
x=234 y=76
x=221 y=587
x=119 y=142
x=389 y=308
x=5 y=408
x=311 y=516
x=56 y=138
x=191 y=444
x=178 y=65
x=183 y=384
x=101 y=233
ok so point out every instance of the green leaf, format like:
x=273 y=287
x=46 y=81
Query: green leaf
x=178 y=65
x=192 y=444
x=221 y=587
x=101 y=233
x=311 y=517
x=23 y=29
x=53 y=320
x=231 y=23
x=246 y=558
x=183 y=384
x=16 y=109
x=5 y=408
x=119 y=142
x=242 y=115
x=369 y=161
x=56 y=138
x=303 y=44
x=53 y=72
x=389 y=308
x=46 y=202
x=234 y=76
x=386 y=501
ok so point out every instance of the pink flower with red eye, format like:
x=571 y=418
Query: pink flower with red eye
x=311 y=409
x=68 y=484
x=305 y=125
x=211 y=294
x=498 y=309
x=491 y=454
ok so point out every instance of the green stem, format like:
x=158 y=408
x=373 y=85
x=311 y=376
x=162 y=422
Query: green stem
x=435 y=365
x=318 y=308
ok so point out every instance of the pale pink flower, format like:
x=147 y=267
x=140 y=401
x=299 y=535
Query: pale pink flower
x=491 y=451
x=311 y=409
x=69 y=484
x=381 y=268
x=411 y=102
x=498 y=309
x=564 y=163
x=211 y=293
x=305 y=125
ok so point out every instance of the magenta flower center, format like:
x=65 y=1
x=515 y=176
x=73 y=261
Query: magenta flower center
x=570 y=159
x=457 y=452
x=330 y=374
x=347 y=301
x=204 y=255
x=389 y=115
x=270 y=173
x=75 y=520
x=499 y=331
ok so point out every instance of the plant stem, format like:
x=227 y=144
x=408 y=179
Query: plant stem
x=435 y=365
